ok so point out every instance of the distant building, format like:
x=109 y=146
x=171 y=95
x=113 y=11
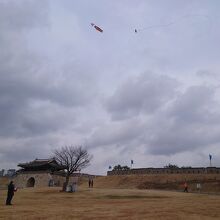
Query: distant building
x=11 y=172
x=2 y=172
x=41 y=173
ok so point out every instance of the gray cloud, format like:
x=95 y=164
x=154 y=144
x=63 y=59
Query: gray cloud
x=185 y=121
x=190 y=122
x=20 y=15
x=32 y=101
x=61 y=82
x=195 y=105
x=116 y=133
x=146 y=93
x=207 y=74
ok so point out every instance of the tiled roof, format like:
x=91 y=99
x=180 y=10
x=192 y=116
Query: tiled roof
x=41 y=163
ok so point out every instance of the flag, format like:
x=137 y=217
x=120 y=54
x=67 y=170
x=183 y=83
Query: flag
x=210 y=157
x=132 y=162
x=110 y=167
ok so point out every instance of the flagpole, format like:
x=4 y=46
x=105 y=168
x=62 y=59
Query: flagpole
x=210 y=159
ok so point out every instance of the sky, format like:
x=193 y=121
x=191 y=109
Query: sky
x=151 y=96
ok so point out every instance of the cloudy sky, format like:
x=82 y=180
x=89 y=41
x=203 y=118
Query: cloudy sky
x=151 y=96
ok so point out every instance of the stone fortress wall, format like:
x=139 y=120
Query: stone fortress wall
x=40 y=179
x=196 y=170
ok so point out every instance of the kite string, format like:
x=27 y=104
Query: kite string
x=174 y=22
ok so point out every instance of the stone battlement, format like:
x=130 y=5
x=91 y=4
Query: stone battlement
x=196 y=170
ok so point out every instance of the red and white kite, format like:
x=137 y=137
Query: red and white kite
x=97 y=28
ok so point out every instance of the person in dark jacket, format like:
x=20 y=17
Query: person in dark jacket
x=11 y=190
x=89 y=182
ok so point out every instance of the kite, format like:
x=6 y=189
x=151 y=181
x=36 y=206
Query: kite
x=97 y=27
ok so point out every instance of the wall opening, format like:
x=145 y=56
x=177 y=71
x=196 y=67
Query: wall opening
x=51 y=182
x=31 y=182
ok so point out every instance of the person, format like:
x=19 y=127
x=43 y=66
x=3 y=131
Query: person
x=185 y=187
x=89 y=182
x=74 y=186
x=11 y=190
x=92 y=183
x=198 y=187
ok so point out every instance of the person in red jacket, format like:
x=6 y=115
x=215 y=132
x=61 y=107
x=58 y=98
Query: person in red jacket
x=185 y=187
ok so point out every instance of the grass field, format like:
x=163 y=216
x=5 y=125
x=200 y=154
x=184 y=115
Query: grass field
x=4 y=182
x=105 y=203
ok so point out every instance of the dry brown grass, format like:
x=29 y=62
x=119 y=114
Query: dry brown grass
x=103 y=203
x=210 y=182
x=3 y=182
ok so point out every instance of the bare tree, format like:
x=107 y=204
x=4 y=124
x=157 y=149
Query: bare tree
x=74 y=158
